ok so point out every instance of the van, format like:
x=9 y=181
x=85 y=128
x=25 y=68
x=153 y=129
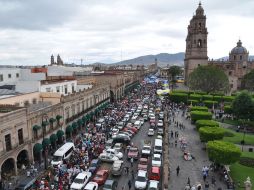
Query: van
x=157 y=146
x=137 y=124
x=63 y=153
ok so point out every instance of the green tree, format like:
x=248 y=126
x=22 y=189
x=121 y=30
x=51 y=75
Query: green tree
x=208 y=79
x=211 y=133
x=222 y=152
x=248 y=81
x=243 y=106
x=173 y=71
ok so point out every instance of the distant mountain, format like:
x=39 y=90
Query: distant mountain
x=163 y=59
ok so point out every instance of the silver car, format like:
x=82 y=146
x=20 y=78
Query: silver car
x=117 y=168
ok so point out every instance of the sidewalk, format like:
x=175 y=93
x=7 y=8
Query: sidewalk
x=193 y=168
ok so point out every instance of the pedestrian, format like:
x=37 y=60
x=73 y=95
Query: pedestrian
x=206 y=186
x=177 y=170
x=127 y=170
x=132 y=162
x=123 y=187
x=129 y=184
x=132 y=173
x=204 y=177
x=188 y=181
x=213 y=181
x=175 y=143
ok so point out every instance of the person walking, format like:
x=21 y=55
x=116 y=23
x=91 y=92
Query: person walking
x=132 y=173
x=188 y=181
x=177 y=170
x=213 y=181
x=129 y=184
x=132 y=162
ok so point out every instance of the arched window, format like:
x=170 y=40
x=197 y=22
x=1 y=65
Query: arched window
x=234 y=57
x=199 y=43
x=199 y=24
x=241 y=57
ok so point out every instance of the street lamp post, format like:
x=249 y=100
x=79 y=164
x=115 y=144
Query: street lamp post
x=243 y=142
x=44 y=124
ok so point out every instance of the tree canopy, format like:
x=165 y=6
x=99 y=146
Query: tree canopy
x=208 y=79
x=248 y=81
x=243 y=106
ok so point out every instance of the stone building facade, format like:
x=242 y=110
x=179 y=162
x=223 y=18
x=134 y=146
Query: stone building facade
x=23 y=129
x=235 y=67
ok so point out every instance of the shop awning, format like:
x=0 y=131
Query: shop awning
x=36 y=127
x=69 y=129
x=53 y=138
x=45 y=142
x=60 y=133
x=37 y=148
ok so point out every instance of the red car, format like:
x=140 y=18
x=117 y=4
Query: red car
x=133 y=153
x=155 y=174
x=143 y=164
x=133 y=129
x=101 y=176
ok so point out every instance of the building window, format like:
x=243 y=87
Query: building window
x=234 y=57
x=65 y=89
x=26 y=103
x=17 y=75
x=20 y=136
x=16 y=104
x=8 y=142
x=48 y=89
x=199 y=43
x=230 y=73
x=1 y=78
x=34 y=101
x=58 y=89
x=9 y=76
x=72 y=88
x=241 y=57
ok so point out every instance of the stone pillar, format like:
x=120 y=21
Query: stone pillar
x=247 y=184
x=15 y=167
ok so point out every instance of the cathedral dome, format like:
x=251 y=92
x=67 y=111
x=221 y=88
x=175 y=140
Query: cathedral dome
x=239 y=49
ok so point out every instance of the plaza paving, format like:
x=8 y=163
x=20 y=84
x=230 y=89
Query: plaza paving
x=193 y=168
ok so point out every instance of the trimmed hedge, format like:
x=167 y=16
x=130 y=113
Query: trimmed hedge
x=217 y=98
x=222 y=152
x=211 y=133
x=178 y=97
x=199 y=108
x=181 y=91
x=246 y=161
x=197 y=97
x=200 y=93
x=206 y=123
x=210 y=103
x=228 y=98
x=198 y=115
x=228 y=110
x=207 y=97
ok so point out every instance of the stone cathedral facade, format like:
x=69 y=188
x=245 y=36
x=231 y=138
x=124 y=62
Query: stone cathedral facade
x=235 y=67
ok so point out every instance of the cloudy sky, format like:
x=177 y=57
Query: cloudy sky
x=106 y=30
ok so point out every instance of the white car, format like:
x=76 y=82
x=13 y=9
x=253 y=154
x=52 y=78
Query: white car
x=160 y=131
x=146 y=150
x=160 y=123
x=115 y=131
x=142 y=121
x=118 y=147
x=153 y=185
x=104 y=157
x=141 y=180
x=156 y=160
x=150 y=132
x=91 y=186
x=114 y=152
x=80 y=181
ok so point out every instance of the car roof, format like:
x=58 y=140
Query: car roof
x=157 y=155
x=155 y=170
x=82 y=175
x=153 y=183
x=141 y=173
x=91 y=184
x=101 y=171
x=95 y=161
x=109 y=181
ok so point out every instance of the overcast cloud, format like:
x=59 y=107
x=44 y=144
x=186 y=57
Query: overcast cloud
x=106 y=30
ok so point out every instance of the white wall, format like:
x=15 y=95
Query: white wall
x=27 y=86
x=52 y=87
x=12 y=71
x=27 y=75
x=56 y=70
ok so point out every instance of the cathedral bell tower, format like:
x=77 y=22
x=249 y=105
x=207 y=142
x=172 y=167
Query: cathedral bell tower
x=196 y=43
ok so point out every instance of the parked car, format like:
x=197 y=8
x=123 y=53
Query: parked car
x=161 y=115
x=91 y=186
x=145 y=117
x=121 y=138
x=120 y=125
x=156 y=160
x=153 y=185
x=101 y=176
x=150 y=132
x=155 y=174
x=94 y=165
x=133 y=153
x=146 y=150
x=118 y=147
x=160 y=123
x=160 y=131
x=117 y=168
x=110 y=185
x=80 y=181
x=114 y=152
x=104 y=157
x=141 y=180
x=143 y=164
